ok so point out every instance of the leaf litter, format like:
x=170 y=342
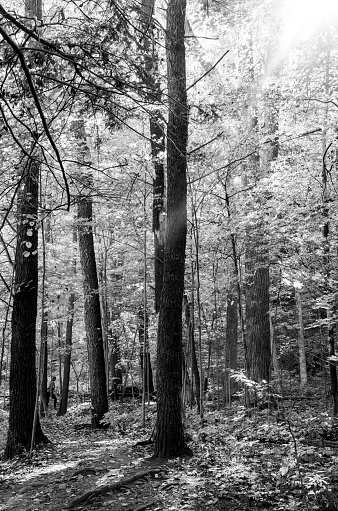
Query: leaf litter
x=240 y=462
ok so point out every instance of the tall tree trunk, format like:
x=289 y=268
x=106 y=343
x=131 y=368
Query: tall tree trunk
x=22 y=380
x=157 y=129
x=326 y=171
x=92 y=313
x=69 y=341
x=170 y=441
x=257 y=255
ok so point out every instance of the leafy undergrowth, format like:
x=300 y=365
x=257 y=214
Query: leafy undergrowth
x=258 y=461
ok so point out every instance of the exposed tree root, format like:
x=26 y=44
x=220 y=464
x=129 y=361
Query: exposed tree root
x=111 y=487
x=143 y=506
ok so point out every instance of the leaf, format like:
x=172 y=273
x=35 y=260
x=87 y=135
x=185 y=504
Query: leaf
x=26 y=253
x=28 y=244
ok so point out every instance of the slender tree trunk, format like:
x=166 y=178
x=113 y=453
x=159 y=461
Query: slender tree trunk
x=191 y=340
x=326 y=234
x=157 y=130
x=69 y=341
x=170 y=440
x=92 y=312
x=145 y=362
x=301 y=341
x=231 y=343
x=44 y=383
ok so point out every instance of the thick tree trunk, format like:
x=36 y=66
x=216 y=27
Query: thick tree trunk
x=22 y=381
x=257 y=309
x=92 y=312
x=257 y=255
x=170 y=441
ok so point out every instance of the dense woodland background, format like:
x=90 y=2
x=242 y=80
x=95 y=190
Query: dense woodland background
x=92 y=108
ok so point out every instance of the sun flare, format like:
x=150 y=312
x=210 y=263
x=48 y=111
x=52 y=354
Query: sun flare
x=304 y=17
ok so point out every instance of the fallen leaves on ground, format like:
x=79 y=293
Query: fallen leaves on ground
x=256 y=461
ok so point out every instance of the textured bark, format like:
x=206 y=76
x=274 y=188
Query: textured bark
x=170 y=441
x=92 y=312
x=67 y=356
x=22 y=381
x=257 y=255
x=194 y=363
x=44 y=383
x=68 y=343
x=145 y=365
x=257 y=310
x=301 y=341
x=231 y=344
x=157 y=129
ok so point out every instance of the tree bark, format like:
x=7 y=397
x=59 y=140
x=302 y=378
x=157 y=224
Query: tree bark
x=170 y=441
x=194 y=362
x=231 y=343
x=22 y=381
x=157 y=130
x=92 y=313
x=68 y=344
x=301 y=341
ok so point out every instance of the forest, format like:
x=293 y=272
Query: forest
x=168 y=249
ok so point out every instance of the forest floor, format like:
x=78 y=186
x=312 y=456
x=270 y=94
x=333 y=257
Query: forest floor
x=262 y=460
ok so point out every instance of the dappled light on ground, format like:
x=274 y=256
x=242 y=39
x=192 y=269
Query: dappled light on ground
x=243 y=460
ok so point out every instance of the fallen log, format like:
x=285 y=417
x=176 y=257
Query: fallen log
x=111 y=487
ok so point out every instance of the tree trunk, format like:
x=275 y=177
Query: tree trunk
x=68 y=344
x=231 y=344
x=22 y=381
x=301 y=341
x=157 y=127
x=146 y=369
x=191 y=340
x=170 y=441
x=326 y=171
x=92 y=313
x=257 y=255
x=44 y=383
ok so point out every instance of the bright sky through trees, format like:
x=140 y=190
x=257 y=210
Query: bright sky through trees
x=304 y=17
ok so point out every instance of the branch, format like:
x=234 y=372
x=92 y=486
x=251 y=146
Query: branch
x=206 y=143
x=209 y=71
x=31 y=86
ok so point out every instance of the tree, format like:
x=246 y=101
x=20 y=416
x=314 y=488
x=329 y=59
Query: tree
x=22 y=382
x=92 y=314
x=170 y=441
x=69 y=341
